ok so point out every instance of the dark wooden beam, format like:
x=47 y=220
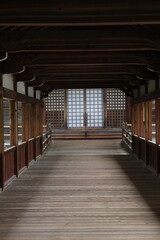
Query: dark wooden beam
x=86 y=58
x=80 y=40
x=24 y=77
x=93 y=77
x=19 y=97
x=86 y=84
x=79 y=13
x=147 y=75
x=3 y=56
x=82 y=69
x=8 y=66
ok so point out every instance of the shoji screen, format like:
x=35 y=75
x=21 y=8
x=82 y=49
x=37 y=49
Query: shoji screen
x=115 y=107
x=55 y=108
x=75 y=108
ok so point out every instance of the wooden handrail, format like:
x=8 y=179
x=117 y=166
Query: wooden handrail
x=127 y=137
x=10 y=148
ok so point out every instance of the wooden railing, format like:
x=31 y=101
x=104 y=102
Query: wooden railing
x=10 y=163
x=127 y=138
x=15 y=158
x=46 y=139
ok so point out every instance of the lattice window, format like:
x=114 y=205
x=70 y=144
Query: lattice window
x=103 y=107
x=19 y=122
x=55 y=108
x=94 y=107
x=75 y=107
x=7 y=122
x=115 y=107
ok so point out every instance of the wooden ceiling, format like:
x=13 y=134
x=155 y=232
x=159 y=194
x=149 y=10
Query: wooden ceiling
x=79 y=44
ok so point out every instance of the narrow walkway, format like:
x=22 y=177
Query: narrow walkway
x=82 y=190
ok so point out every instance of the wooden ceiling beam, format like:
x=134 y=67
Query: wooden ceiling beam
x=82 y=40
x=8 y=66
x=3 y=56
x=79 y=13
x=121 y=69
x=86 y=58
x=75 y=77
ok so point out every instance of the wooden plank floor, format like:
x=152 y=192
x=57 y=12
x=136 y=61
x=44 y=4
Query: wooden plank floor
x=82 y=190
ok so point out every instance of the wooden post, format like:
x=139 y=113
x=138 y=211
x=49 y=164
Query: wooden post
x=133 y=121
x=158 y=121
x=65 y=108
x=25 y=129
x=14 y=132
x=128 y=110
x=148 y=120
x=2 y=162
x=25 y=122
x=33 y=126
x=104 y=108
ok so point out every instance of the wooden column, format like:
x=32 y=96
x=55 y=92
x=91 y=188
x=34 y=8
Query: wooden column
x=65 y=108
x=133 y=121
x=139 y=119
x=2 y=162
x=158 y=121
x=32 y=121
x=128 y=110
x=43 y=112
x=41 y=120
x=14 y=132
x=104 y=107
x=148 y=120
x=25 y=129
x=33 y=127
x=25 y=122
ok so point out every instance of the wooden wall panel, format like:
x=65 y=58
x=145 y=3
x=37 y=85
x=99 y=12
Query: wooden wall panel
x=21 y=156
x=9 y=157
x=152 y=155
x=142 y=149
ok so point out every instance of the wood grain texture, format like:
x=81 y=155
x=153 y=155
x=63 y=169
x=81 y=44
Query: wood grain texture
x=82 y=190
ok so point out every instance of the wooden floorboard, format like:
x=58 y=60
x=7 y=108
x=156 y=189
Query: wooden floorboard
x=82 y=190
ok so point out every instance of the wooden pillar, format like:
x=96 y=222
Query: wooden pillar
x=104 y=108
x=33 y=127
x=65 y=108
x=158 y=121
x=14 y=132
x=25 y=122
x=43 y=112
x=139 y=119
x=128 y=110
x=135 y=119
x=25 y=129
x=2 y=162
x=148 y=120
x=32 y=121
x=133 y=116
x=41 y=120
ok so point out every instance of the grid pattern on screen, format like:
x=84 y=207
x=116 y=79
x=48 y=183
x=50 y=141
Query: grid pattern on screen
x=6 y=122
x=95 y=107
x=75 y=107
x=115 y=107
x=55 y=109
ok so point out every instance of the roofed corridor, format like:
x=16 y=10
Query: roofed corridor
x=82 y=190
